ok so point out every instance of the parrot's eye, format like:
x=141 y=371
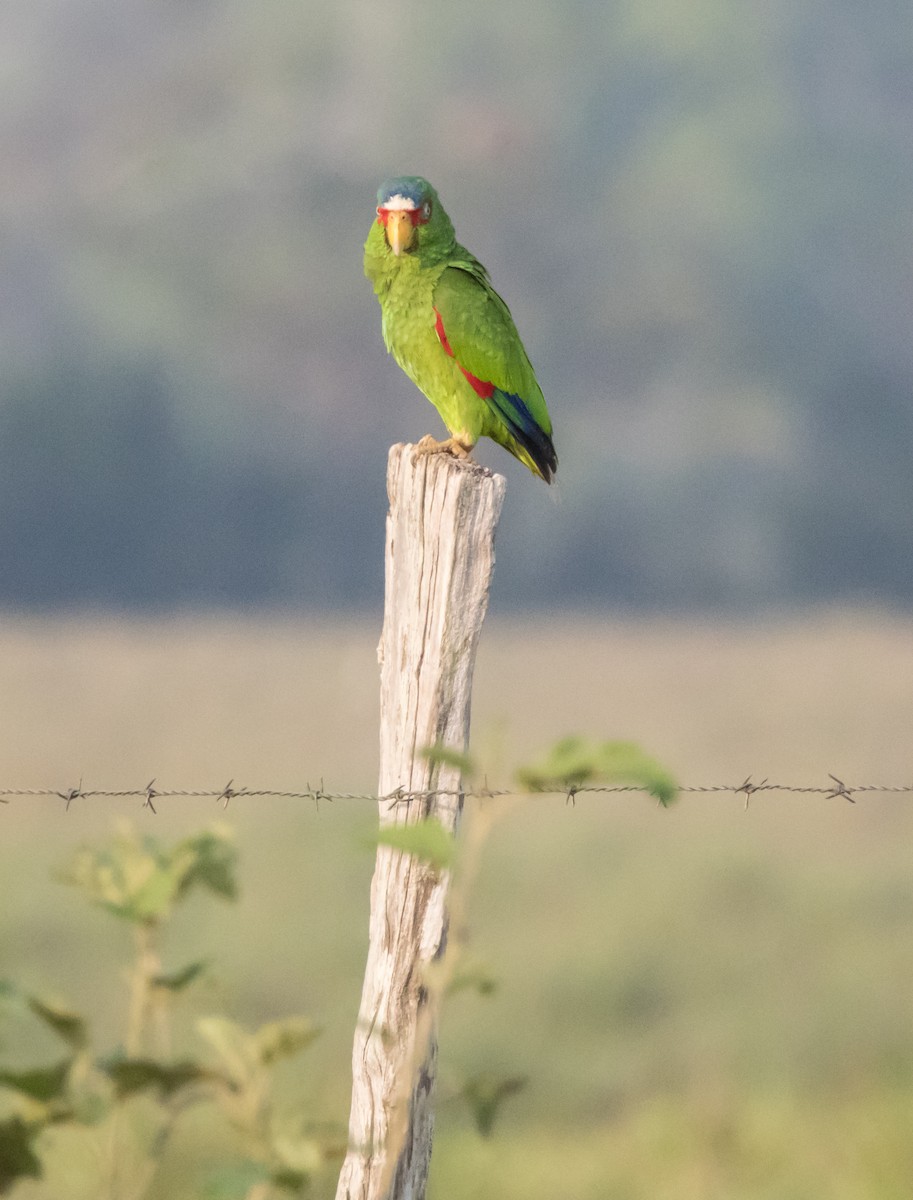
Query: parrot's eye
x=426 y=209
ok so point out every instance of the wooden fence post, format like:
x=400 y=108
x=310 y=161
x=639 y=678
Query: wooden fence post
x=439 y=560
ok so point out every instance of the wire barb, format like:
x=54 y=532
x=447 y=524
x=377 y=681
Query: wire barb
x=70 y=795
x=484 y=792
x=840 y=790
x=396 y=797
x=318 y=794
x=749 y=789
x=400 y=795
x=151 y=793
x=227 y=793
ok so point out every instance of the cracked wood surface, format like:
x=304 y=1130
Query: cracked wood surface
x=439 y=561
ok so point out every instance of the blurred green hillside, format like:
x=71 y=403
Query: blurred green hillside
x=699 y=214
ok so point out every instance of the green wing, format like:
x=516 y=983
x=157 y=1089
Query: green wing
x=476 y=328
x=481 y=335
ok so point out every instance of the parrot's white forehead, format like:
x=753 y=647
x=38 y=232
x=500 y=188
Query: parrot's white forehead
x=401 y=203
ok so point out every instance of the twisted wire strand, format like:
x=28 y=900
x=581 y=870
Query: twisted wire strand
x=835 y=789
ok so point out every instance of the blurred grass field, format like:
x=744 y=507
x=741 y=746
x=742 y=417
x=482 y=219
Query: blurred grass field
x=706 y=1002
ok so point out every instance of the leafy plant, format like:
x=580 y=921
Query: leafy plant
x=427 y=840
x=574 y=762
x=142 y=882
x=485 y=1094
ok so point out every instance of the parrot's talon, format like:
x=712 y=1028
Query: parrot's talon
x=452 y=446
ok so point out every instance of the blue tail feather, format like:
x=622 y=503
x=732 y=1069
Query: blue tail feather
x=524 y=428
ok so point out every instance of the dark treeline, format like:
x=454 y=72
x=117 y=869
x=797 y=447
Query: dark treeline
x=699 y=215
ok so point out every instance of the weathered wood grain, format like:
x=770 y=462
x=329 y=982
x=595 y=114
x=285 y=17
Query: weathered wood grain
x=439 y=561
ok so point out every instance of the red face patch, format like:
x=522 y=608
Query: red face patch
x=418 y=216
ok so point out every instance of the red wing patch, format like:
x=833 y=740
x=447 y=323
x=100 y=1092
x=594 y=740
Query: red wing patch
x=439 y=330
x=480 y=386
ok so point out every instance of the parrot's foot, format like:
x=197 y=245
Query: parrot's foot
x=452 y=445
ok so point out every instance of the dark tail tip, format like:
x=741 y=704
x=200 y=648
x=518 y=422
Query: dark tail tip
x=531 y=436
x=541 y=450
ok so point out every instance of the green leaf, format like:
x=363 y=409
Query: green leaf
x=441 y=755
x=476 y=979
x=214 y=864
x=298 y=1153
x=132 y=878
x=237 y=1049
x=485 y=1094
x=140 y=880
x=288 y=1180
x=235 y=1182
x=132 y=1075
x=68 y=1025
x=282 y=1039
x=574 y=762
x=88 y=1107
x=39 y=1083
x=426 y=840
x=17 y=1158
x=178 y=980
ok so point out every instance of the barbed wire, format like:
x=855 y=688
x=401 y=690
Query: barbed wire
x=836 y=789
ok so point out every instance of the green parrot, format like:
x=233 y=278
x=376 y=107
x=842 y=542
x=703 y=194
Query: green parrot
x=451 y=332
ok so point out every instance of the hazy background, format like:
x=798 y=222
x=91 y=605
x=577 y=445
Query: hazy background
x=707 y=1003
x=700 y=215
x=698 y=212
